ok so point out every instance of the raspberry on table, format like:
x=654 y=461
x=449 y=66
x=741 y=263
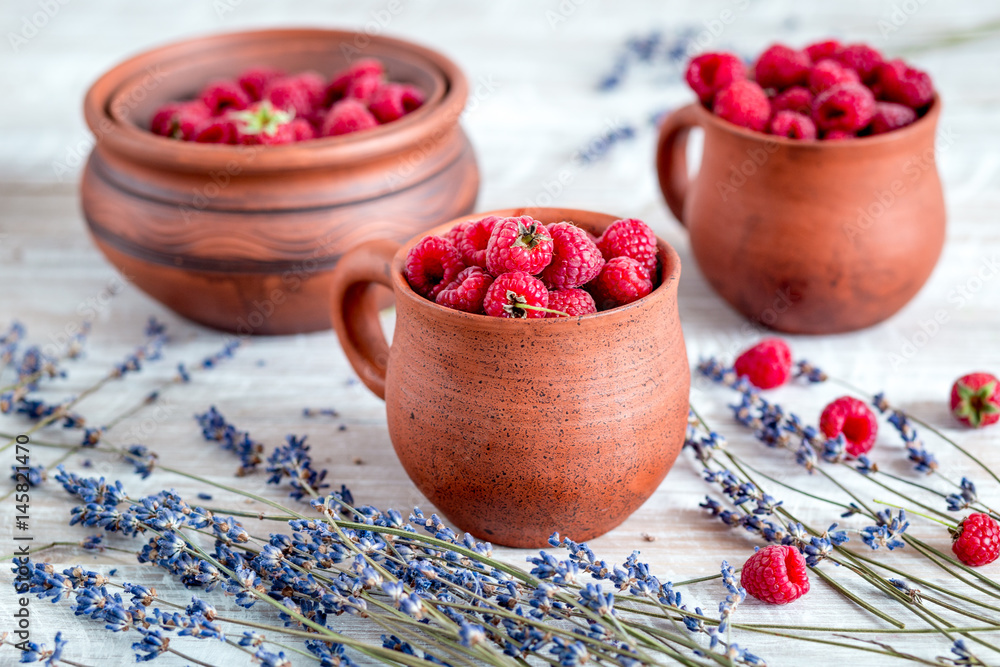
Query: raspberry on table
x=255 y=81
x=796 y=98
x=709 y=73
x=847 y=106
x=780 y=67
x=792 y=125
x=475 y=239
x=822 y=50
x=180 y=120
x=392 y=101
x=977 y=540
x=890 y=116
x=337 y=88
x=743 y=103
x=431 y=265
x=518 y=244
x=863 y=59
x=630 y=238
x=767 y=364
x=347 y=116
x=852 y=418
x=776 y=574
x=829 y=73
x=621 y=281
x=510 y=292
x=897 y=82
x=220 y=96
x=573 y=302
x=576 y=259
x=975 y=399
x=467 y=291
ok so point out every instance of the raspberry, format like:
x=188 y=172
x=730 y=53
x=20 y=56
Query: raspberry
x=851 y=417
x=621 y=281
x=975 y=399
x=743 y=103
x=890 y=116
x=475 y=239
x=301 y=93
x=977 y=540
x=823 y=50
x=838 y=135
x=216 y=131
x=511 y=291
x=221 y=96
x=432 y=265
x=263 y=124
x=573 y=302
x=576 y=259
x=363 y=88
x=767 y=364
x=518 y=244
x=467 y=291
x=861 y=58
x=337 y=88
x=302 y=130
x=255 y=81
x=347 y=116
x=796 y=98
x=848 y=107
x=392 y=101
x=828 y=73
x=775 y=574
x=780 y=67
x=630 y=238
x=180 y=120
x=896 y=82
x=792 y=125
x=455 y=235
x=711 y=72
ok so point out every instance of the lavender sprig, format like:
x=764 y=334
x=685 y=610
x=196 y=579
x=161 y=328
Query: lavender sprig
x=215 y=428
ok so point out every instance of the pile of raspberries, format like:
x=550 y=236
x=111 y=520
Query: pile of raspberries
x=264 y=106
x=521 y=268
x=825 y=91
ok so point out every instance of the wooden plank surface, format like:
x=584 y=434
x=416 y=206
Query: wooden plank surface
x=537 y=107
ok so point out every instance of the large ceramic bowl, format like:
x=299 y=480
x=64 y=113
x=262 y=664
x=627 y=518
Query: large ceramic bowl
x=243 y=238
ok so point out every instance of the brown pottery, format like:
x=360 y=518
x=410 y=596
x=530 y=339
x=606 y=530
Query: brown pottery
x=244 y=238
x=515 y=429
x=808 y=236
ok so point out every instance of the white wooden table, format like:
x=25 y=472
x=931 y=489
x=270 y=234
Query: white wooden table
x=535 y=66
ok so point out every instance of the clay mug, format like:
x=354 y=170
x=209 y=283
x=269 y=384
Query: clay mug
x=808 y=236
x=515 y=429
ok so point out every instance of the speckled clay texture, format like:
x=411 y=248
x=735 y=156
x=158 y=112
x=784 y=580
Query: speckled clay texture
x=808 y=236
x=515 y=429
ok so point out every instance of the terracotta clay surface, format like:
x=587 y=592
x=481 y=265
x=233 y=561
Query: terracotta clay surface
x=514 y=428
x=244 y=238
x=805 y=236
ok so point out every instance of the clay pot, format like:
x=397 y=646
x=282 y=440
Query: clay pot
x=515 y=429
x=808 y=236
x=244 y=238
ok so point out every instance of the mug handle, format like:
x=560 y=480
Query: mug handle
x=354 y=311
x=671 y=157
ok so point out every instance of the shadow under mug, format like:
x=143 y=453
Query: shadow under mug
x=515 y=429
x=810 y=237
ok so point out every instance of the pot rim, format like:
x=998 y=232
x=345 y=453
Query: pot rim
x=432 y=121
x=668 y=283
x=930 y=117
